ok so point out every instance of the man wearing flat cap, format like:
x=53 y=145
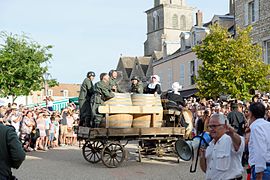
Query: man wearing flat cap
x=136 y=85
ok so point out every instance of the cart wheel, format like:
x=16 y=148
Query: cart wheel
x=91 y=151
x=113 y=154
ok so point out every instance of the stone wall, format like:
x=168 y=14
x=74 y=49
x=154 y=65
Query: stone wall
x=261 y=28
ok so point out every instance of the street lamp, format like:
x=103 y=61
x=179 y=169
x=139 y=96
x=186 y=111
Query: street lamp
x=46 y=78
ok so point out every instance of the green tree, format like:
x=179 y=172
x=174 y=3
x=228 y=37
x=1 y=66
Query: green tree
x=22 y=65
x=231 y=66
x=52 y=82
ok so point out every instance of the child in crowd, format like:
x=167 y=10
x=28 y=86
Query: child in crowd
x=52 y=132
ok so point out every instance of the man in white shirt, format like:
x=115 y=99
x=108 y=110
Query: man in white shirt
x=222 y=158
x=259 y=142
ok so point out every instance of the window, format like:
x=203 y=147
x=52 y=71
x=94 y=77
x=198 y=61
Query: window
x=267 y=52
x=182 y=74
x=183 y=43
x=175 y=21
x=50 y=92
x=194 y=38
x=65 y=93
x=183 y=23
x=192 y=72
x=251 y=9
x=156 y=2
x=251 y=12
x=155 y=21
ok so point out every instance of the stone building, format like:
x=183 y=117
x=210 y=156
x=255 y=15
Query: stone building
x=165 y=22
x=182 y=65
x=257 y=14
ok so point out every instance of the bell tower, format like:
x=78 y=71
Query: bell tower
x=168 y=18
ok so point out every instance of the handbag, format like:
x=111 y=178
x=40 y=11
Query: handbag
x=35 y=133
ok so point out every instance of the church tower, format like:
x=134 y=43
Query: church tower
x=165 y=22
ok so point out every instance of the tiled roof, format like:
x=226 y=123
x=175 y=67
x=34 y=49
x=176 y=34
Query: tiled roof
x=73 y=89
x=128 y=61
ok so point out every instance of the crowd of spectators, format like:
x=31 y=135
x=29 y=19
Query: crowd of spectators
x=236 y=111
x=41 y=128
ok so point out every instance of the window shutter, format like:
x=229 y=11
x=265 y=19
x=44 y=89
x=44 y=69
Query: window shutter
x=256 y=10
x=246 y=14
x=196 y=67
x=189 y=75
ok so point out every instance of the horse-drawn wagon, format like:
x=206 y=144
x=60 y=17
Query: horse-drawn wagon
x=127 y=118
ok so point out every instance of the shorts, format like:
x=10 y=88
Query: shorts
x=63 y=129
x=47 y=132
x=42 y=133
x=51 y=136
x=266 y=173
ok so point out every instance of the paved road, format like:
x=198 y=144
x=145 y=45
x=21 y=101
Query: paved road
x=68 y=163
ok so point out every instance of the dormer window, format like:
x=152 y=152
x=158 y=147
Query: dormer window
x=65 y=93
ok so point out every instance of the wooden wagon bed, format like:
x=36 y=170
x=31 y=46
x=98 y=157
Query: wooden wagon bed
x=104 y=144
x=134 y=133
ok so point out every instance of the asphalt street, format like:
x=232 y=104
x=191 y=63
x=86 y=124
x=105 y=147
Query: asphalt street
x=68 y=163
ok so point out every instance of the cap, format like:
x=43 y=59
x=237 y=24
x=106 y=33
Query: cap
x=135 y=78
x=90 y=73
x=176 y=85
x=156 y=77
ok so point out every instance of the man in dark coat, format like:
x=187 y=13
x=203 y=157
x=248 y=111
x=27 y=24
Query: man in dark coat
x=136 y=85
x=237 y=119
x=113 y=82
x=11 y=151
x=102 y=93
x=84 y=99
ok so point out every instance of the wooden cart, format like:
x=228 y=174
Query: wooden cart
x=125 y=120
x=103 y=144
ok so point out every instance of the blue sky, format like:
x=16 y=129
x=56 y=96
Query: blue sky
x=87 y=34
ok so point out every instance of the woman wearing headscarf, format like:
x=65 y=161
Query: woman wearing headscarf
x=154 y=86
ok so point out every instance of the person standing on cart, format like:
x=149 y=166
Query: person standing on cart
x=136 y=85
x=174 y=97
x=102 y=93
x=154 y=86
x=86 y=92
x=113 y=82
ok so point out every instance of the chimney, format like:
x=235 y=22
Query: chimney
x=232 y=7
x=199 y=18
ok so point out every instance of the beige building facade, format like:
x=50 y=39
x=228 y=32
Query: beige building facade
x=180 y=67
x=255 y=13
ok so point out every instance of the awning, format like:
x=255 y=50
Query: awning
x=74 y=100
x=188 y=93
